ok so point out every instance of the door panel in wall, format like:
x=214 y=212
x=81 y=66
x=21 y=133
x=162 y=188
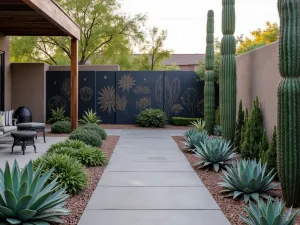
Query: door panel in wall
x=58 y=91
x=136 y=91
x=184 y=94
x=86 y=92
x=106 y=96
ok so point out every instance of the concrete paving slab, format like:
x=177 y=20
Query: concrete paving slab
x=140 y=149
x=176 y=132
x=160 y=157
x=114 y=132
x=187 y=198
x=154 y=179
x=150 y=217
x=149 y=166
x=41 y=148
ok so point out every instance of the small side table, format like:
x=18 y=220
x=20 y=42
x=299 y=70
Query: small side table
x=38 y=127
x=23 y=139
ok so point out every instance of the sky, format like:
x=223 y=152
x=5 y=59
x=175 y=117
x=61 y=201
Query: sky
x=185 y=20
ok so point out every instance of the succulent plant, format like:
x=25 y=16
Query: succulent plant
x=218 y=130
x=214 y=153
x=272 y=213
x=193 y=138
x=199 y=125
x=228 y=71
x=26 y=198
x=288 y=153
x=248 y=179
x=209 y=88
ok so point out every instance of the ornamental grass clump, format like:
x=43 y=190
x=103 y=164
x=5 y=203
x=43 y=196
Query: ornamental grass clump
x=88 y=156
x=27 y=196
x=74 y=144
x=89 y=137
x=248 y=179
x=214 y=153
x=270 y=213
x=96 y=128
x=68 y=171
x=193 y=138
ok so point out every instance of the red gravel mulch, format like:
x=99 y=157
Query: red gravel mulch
x=230 y=207
x=77 y=203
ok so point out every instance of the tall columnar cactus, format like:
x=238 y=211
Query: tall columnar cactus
x=209 y=88
x=288 y=149
x=228 y=71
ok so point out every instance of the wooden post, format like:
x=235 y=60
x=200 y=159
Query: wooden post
x=74 y=83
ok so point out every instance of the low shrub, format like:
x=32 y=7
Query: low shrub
x=269 y=213
x=96 y=128
x=214 y=153
x=89 y=137
x=75 y=144
x=57 y=115
x=68 y=171
x=248 y=179
x=88 y=156
x=27 y=199
x=182 y=121
x=193 y=138
x=61 y=127
x=152 y=118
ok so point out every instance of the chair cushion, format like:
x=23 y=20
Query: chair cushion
x=8 y=129
x=30 y=125
x=2 y=121
x=8 y=117
x=23 y=134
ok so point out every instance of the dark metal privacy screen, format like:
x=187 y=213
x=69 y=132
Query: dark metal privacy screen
x=118 y=97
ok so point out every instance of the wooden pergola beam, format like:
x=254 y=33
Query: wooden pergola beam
x=74 y=83
x=52 y=12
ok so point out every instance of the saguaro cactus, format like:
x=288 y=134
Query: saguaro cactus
x=288 y=149
x=228 y=71
x=209 y=88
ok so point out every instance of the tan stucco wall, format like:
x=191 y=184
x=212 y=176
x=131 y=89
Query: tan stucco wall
x=87 y=68
x=4 y=46
x=258 y=75
x=28 y=82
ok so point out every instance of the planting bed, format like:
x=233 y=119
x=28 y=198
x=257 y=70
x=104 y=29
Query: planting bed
x=230 y=207
x=77 y=203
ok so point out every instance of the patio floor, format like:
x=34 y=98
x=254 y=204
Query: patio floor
x=41 y=148
x=149 y=181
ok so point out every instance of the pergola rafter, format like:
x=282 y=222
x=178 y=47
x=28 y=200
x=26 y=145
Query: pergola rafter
x=43 y=18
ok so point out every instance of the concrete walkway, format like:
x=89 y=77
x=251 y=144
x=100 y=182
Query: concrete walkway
x=149 y=181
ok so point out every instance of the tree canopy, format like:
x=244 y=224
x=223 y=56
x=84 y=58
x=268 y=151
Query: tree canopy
x=104 y=31
x=153 y=52
x=258 y=38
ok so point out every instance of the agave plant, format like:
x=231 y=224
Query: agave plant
x=193 y=138
x=199 y=125
x=26 y=199
x=249 y=179
x=269 y=214
x=214 y=152
x=90 y=117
